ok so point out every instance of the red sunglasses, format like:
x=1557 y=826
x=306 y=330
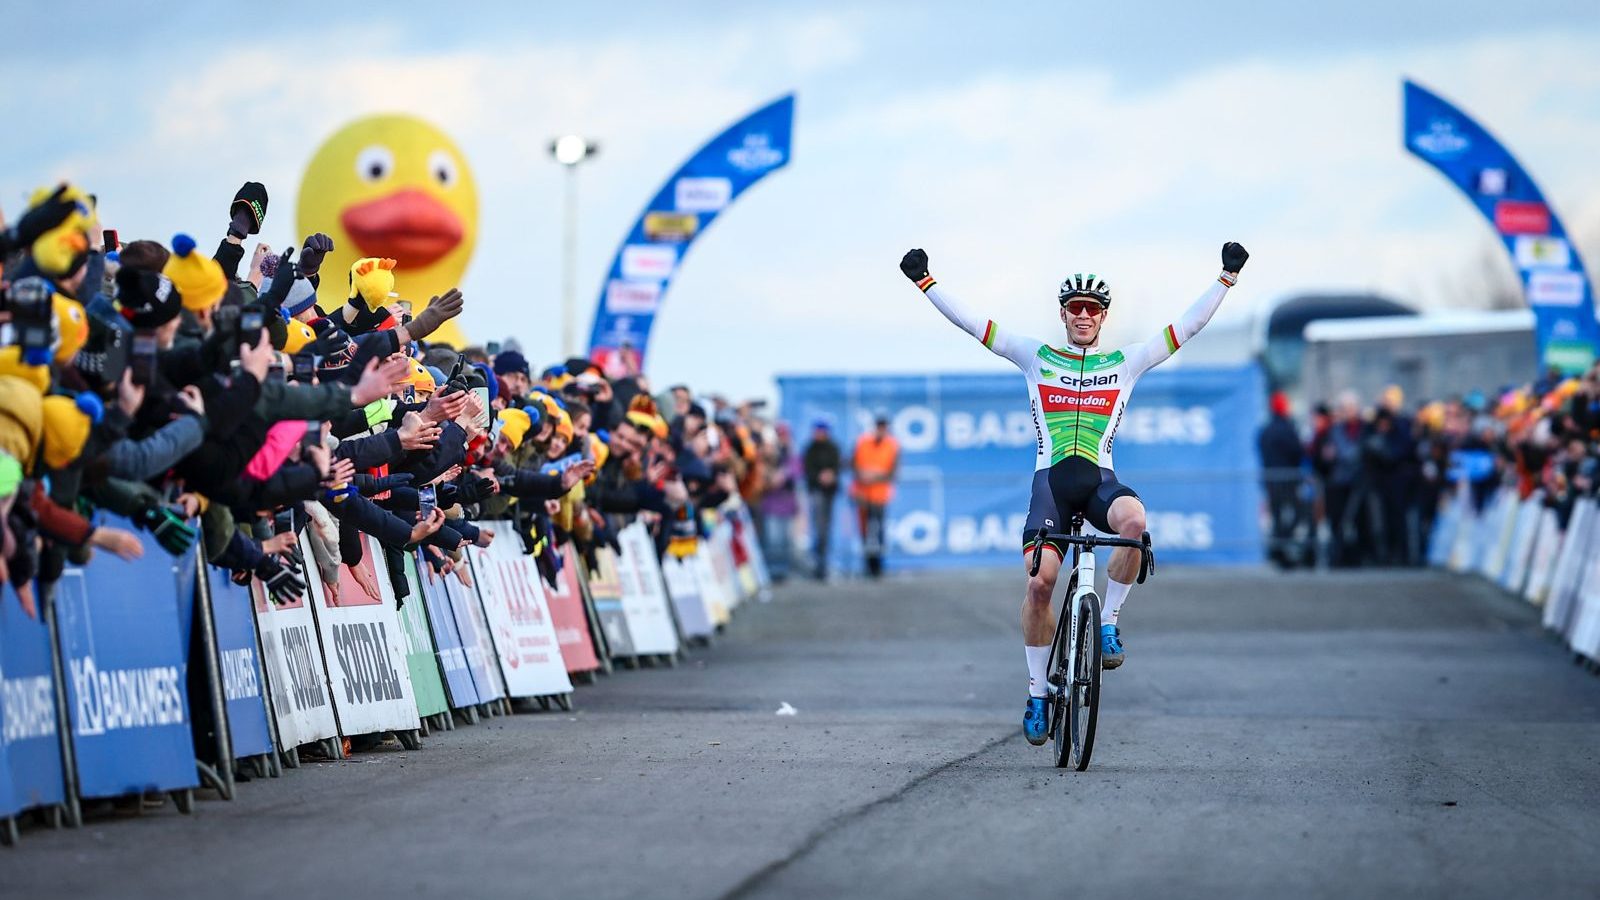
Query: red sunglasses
x=1083 y=307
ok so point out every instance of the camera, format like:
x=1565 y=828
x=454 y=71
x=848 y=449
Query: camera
x=33 y=317
x=305 y=366
x=104 y=356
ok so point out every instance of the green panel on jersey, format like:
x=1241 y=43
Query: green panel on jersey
x=1094 y=362
x=1075 y=434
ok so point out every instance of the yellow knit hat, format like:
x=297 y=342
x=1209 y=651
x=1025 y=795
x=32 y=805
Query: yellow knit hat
x=21 y=418
x=563 y=424
x=199 y=279
x=61 y=250
x=66 y=430
x=72 y=326
x=514 y=425
x=372 y=279
x=299 y=335
x=11 y=365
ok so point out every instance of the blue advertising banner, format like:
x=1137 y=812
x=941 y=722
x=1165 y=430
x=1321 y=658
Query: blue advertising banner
x=685 y=207
x=241 y=665
x=446 y=637
x=126 y=667
x=1553 y=277
x=30 y=745
x=1186 y=444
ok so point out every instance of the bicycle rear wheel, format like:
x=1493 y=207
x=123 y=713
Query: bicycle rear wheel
x=1083 y=706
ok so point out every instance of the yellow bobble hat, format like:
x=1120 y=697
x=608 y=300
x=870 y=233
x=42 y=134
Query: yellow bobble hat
x=21 y=418
x=72 y=326
x=11 y=365
x=514 y=425
x=372 y=279
x=199 y=279
x=67 y=421
x=564 y=424
x=61 y=250
x=299 y=335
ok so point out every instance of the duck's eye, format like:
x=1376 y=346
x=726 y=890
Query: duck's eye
x=442 y=166
x=374 y=163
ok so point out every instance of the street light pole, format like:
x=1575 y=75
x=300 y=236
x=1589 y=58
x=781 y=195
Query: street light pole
x=569 y=151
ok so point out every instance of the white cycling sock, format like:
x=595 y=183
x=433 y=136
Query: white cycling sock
x=1116 y=595
x=1038 y=661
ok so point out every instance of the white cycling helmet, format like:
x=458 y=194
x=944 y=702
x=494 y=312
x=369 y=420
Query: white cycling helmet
x=1081 y=285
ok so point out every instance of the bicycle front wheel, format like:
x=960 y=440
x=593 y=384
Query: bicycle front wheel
x=1083 y=706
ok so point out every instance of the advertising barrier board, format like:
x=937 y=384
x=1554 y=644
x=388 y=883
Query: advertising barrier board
x=361 y=642
x=1570 y=566
x=421 y=660
x=1186 y=443
x=297 y=679
x=694 y=616
x=453 y=656
x=570 y=616
x=644 y=596
x=242 y=680
x=519 y=617
x=127 y=670
x=30 y=735
x=605 y=591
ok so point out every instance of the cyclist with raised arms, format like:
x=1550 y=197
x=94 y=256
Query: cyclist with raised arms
x=1077 y=394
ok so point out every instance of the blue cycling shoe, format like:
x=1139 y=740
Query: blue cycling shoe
x=1110 y=647
x=1035 y=723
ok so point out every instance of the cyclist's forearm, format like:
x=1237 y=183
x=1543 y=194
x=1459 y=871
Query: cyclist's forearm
x=1201 y=311
x=1175 y=335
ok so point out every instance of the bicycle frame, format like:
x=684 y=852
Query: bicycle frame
x=1083 y=566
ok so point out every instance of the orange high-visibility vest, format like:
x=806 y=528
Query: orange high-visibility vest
x=874 y=457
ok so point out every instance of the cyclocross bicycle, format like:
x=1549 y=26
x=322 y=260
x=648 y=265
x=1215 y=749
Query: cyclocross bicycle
x=1073 y=695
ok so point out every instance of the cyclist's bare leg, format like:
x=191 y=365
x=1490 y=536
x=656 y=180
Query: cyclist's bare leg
x=1126 y=518
x=1038 y=619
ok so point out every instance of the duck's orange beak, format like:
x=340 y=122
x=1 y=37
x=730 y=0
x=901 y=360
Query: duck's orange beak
x=408 y=225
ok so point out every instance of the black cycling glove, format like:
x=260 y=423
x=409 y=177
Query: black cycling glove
x=915 y=264
x=1233 y=257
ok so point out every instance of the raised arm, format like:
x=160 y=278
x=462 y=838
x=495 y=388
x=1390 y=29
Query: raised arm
x=1000 y=342
x=1161 y=347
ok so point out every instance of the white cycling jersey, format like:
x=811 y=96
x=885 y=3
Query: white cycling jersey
x=1077 y=394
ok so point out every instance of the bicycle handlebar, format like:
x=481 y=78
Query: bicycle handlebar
x=1147 y=556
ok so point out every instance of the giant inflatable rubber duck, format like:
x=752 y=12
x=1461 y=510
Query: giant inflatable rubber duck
x=395 y=187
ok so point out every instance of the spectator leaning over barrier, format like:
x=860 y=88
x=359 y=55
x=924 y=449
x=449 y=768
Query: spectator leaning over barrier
x=821 y=463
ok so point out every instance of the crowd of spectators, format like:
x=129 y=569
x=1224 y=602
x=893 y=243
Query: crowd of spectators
x=1360 y=486
x=202 y=404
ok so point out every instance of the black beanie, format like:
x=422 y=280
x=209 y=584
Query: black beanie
x=146 y=299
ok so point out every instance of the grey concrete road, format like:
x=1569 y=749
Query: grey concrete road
x=1373 y=734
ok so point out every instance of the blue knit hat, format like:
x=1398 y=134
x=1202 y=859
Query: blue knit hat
x=508 y=361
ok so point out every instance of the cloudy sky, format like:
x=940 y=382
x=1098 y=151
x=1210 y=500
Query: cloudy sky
x=1126 y=139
